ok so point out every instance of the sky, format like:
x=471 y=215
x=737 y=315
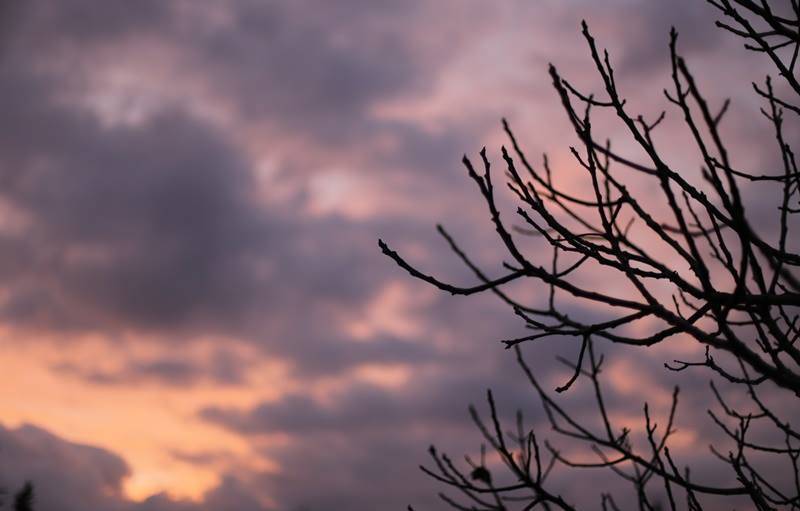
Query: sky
x=194 y=312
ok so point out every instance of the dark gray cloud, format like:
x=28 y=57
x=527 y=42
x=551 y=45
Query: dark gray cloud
x=306 y=63
x=68 y=476
x=155 y=227
x=149 y=223
x=229 y=494
x=74 y=477
x=222 y=367
x=144 y=227
x=694 y=22
x=363 y=408
x=380 y=435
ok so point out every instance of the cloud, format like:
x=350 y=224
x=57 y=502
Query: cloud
x=160 y=181
x=133 y=225
x=157 y=225
x=221 y=367
x=69 y=476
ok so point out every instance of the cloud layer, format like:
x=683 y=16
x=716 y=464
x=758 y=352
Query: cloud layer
x=190 y=198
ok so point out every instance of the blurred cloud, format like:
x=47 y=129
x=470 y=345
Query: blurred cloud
x=222 y=368
x=197 y=189
x=72 y=476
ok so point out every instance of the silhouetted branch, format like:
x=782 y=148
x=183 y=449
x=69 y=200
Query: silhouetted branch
x=729 y=288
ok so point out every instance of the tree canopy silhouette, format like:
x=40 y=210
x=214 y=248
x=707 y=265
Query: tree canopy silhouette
x=23 y=500
x=699 y=266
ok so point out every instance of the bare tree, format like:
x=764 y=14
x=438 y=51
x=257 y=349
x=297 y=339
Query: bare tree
x=23 y=499
x=699 y=268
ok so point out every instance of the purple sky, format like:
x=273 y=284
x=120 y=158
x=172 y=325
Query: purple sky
x=194 y=312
